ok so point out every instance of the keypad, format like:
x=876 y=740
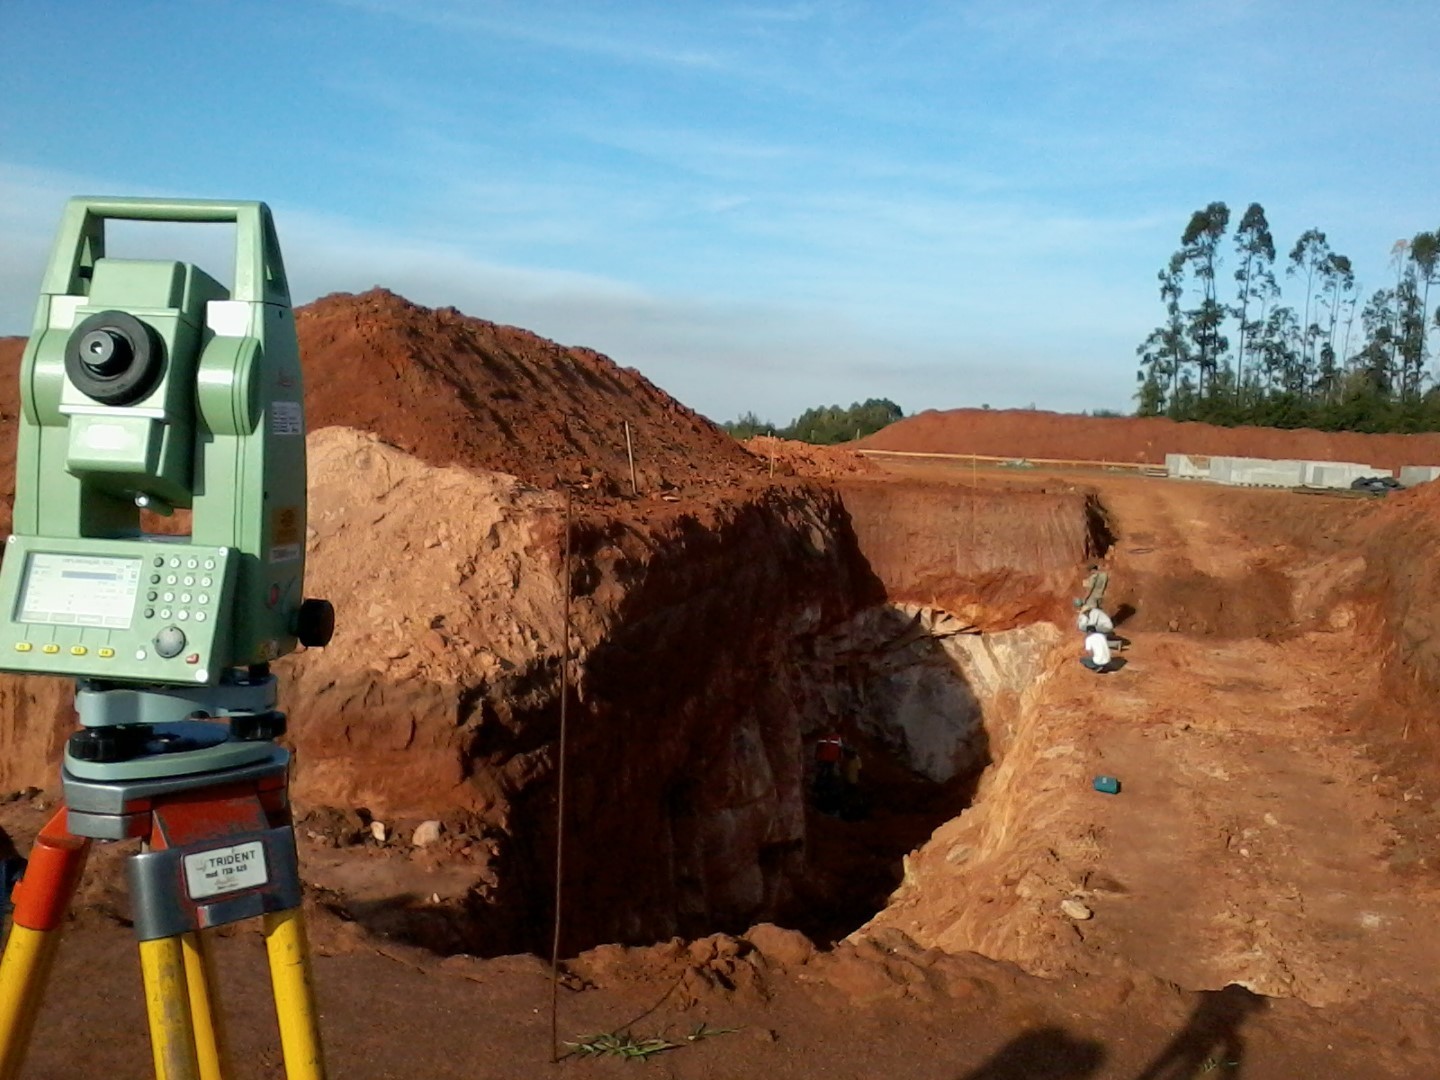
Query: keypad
x=187 y=590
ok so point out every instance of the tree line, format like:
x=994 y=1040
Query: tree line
x=824 y=425
x=1331 y=357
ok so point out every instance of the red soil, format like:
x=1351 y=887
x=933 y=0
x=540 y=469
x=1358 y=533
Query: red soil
x=452 y=389
x=449 y=388
x=1029 y=433
x=784 y=457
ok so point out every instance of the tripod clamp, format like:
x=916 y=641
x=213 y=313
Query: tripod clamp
x=218 y=846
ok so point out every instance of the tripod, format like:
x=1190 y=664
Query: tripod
x=217 y=847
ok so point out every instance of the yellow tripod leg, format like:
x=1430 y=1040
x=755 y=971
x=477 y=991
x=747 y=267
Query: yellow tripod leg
x=24 y=971
x=206 y=1021
x=289 y=952
x=41 y=900
x=167 y=1000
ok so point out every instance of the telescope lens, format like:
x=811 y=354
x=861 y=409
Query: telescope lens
x=114 y=358
x=106 y=352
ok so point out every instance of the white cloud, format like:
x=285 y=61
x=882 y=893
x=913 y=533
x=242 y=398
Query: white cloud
x=952 y=343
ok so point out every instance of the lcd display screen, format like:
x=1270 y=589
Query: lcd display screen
x=79 y=590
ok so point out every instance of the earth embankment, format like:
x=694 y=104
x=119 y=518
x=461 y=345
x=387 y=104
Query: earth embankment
x=1032 y=433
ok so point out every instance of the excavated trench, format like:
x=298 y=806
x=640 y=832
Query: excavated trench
x=909 y=620
x=927 y=625
x=927 y=684
x=924 y=699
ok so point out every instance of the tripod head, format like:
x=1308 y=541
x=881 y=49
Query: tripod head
x=147 y=385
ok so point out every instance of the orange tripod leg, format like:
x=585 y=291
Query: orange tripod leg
x=41 y=900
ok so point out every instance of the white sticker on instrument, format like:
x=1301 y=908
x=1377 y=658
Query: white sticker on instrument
x=286 y=418
x=225 y=870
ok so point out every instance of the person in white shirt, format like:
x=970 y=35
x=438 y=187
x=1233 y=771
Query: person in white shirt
x=1097 y=647
x=1095 y=619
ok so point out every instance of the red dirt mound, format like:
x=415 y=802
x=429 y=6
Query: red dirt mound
x=452 y=389
x=787 y=456
x=1028 y=433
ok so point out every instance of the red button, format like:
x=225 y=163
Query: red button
x=193 y=658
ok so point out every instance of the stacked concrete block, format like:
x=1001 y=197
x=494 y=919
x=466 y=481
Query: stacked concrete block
x=1220 y=469
x=1338 y=474
x=1265 y=472
x=1187 y=466
x=1262 y=472
x=1410 y=475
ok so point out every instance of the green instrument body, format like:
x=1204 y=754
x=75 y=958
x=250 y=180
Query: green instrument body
x=148 y=385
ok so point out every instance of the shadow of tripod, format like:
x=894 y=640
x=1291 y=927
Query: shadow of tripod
x=1210 y=1039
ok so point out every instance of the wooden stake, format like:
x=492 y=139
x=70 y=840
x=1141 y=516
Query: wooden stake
x=630 y=453
x=560 y=789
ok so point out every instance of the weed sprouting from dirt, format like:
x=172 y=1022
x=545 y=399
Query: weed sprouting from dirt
x=623 y=1044
x=620 y=1044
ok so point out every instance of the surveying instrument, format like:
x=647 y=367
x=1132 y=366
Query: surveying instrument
x=148 y=386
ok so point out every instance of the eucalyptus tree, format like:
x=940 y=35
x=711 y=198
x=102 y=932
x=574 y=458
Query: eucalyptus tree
x=1400 y=263
x=1165 y=352
x=1200 y=247
x=1410 y=335
x=1255 y=277
x=1308 y=258
x=1279 y=347
x=1374 y=358
x=1425 y=254
x=1337 y=283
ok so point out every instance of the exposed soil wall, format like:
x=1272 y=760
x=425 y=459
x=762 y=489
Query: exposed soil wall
x=1028 y=433
x=1399 y=541
x=996 y=559
x=440 y=695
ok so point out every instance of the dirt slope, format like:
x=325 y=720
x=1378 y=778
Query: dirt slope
x=452 y=389
x=1030 y=433
x=449 y=388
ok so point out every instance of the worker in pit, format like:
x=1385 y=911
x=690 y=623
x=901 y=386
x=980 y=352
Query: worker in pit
x=1094 y=585
x=1097 y=651
x=1093 y=620
x=828 y=784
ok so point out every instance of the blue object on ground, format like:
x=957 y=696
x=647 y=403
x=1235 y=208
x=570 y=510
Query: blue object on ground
x=1107 y=785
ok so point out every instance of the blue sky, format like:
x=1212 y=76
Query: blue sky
x=760 y=205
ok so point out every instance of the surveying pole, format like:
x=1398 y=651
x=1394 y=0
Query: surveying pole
x=146 y=385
